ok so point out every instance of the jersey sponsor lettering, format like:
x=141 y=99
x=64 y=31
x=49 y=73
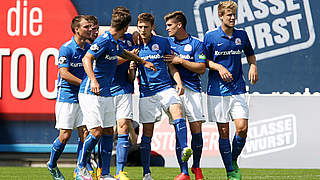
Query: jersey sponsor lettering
x=227 y=53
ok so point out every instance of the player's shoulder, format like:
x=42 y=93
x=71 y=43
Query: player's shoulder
x=67 y=46
x=212 y=32
x=103 y=38
x=240 y=32
x=196 y=40
x=170 y=39
x=128 y=36
x=160 y=38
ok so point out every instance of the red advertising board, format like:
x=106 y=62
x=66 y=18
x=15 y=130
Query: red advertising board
x=31 y=33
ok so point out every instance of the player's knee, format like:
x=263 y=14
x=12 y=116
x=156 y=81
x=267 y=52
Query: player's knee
x=96 y=132
x=147 y=131
x=223 y=129
x=196 y=127
x=64 y=137
x=107 y=131
x=123 y=128
x=176 y=111
x=242 y=132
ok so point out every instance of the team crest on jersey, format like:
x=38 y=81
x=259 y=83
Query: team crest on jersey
x=129 y=43
x=187 y=47
x=62 y=60
x=155 y=47
x=95 y=48
x=238 y=41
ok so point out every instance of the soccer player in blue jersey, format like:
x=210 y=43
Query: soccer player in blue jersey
x=122 y=91
x=226 y=87
x=95 y=97
x=190 y=61
x=94 y=28
x=122 y=88
x=71 y=73
x=93 y=35
x=157 y=92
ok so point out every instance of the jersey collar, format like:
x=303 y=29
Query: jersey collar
x=110 y=36
x=184 y=41
x=223 y=34
x=76 y=44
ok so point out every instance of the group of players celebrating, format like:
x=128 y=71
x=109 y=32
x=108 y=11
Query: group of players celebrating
x=95 y=89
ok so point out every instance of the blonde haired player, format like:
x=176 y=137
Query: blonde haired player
x=226 y=86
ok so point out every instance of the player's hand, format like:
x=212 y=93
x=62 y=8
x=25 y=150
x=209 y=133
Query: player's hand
x=253 y=74
x=136 y=38
x=149 y=65
x=180 y=89
x=172 y=59
x=95 y=87
x=225 y=74
x=135 y=51
x=132 y=65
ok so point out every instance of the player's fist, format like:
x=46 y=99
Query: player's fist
x=149 y=65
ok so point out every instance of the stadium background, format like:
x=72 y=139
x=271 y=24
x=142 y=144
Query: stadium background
x=286 y=41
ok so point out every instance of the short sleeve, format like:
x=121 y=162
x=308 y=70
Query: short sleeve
x=98 y=47
x=64 y=57
x=208 y=49
x=167 y=46
x=199 y=55
x=248 y=50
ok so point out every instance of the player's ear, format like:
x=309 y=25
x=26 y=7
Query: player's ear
x=153 y=27
x=76 y=29
x=220 y=14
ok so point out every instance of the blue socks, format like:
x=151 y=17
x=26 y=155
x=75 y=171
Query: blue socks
x=79 y=150
x=106 y=153
x=89 y=143
x=196 y=146
x=181 y=131
x=80 y=146
x=99 y=163
x=237 y=146
x=183 y=165
x=225 y=151
x=122 y=151
x=56 y=151
x=145 y=150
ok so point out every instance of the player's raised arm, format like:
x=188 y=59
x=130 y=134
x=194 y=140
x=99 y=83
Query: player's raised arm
x=253 y=71
x=133 y=57
x=87 y=65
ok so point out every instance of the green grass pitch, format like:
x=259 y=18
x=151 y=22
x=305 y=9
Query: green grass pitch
x=160 y=173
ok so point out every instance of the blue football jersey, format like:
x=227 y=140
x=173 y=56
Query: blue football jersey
x=227 y=52
x=105 y=49
x=120 y=81
x=151 y=82
x=190 y=49
x=70 y=56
